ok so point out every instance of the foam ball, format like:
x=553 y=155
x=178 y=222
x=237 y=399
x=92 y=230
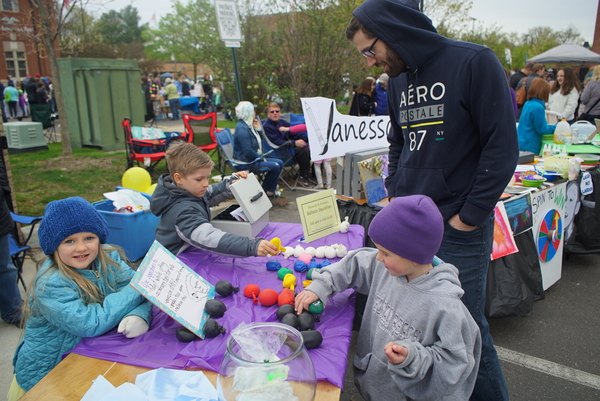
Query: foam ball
x=300 y=266
x=150 y=189
x=136 y=178
x=268 y=297
x=330 y=252
x=283 y=272
x=273 y=265
x=310 y=250
x=320 y=252
x=324 y=263
x=305 y=257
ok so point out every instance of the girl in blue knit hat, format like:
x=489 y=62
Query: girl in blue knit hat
x=417 y=340
x=80 y=291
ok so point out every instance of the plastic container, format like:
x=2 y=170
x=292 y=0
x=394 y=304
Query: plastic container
x=562 y=132
x=584 y=130
x=288 y=374
x=133 y=232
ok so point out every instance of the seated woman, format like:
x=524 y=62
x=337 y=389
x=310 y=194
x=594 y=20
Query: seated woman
x=533 y=124
x=247 y=147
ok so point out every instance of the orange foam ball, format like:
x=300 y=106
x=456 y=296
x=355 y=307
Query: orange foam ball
x=286 y=297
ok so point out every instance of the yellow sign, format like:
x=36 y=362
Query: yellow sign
x=319 y=214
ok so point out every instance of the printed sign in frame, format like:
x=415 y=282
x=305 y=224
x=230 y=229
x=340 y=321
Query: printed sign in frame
x=319 y=214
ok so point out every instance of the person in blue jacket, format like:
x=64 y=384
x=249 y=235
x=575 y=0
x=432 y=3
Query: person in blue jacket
x=247 y=147
x=381 y=95
x=452 y=137
x=532 y=124
x=81 y=290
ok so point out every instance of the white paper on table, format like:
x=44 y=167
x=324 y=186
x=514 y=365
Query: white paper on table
x=239 y=214
x=154 y=385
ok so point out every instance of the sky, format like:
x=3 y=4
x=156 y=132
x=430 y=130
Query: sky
x=510 y=15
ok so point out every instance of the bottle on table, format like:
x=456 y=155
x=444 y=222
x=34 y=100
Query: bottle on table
x=562 y=132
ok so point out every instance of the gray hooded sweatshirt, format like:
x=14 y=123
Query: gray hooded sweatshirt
x=424 y=315
x=185 y=220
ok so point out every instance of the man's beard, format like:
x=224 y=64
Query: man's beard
x=395 y=65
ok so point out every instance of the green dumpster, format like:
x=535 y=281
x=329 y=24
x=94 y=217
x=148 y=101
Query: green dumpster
x=99 y=94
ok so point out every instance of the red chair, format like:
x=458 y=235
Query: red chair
x=196 y=128
x=142 y=152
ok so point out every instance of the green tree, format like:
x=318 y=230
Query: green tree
x=121 y=26
x=189 y=33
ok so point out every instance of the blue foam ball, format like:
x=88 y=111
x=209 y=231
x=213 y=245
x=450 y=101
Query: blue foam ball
x=300 y=266
x=324 y=263
x=273 y=265
x=313 y=265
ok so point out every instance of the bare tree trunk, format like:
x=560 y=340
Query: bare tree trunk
x=48 y=41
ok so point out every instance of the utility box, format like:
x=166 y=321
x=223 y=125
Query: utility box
x=254 y=202
x=99 y=94
x=25 y=137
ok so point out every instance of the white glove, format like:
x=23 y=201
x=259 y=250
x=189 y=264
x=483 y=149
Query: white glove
x=133 y=326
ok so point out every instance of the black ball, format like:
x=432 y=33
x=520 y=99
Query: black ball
x=215 y=308
x=185 y=336
x=284 y=310
x=312 y=339
x=306 y=321
x=291 y=320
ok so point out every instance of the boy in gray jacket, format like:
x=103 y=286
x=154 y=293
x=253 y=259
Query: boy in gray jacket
x=417 y=340
x=183 y=200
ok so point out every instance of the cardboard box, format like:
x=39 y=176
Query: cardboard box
x=254 y=202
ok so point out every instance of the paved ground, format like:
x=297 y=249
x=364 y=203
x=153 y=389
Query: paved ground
x=553 y=354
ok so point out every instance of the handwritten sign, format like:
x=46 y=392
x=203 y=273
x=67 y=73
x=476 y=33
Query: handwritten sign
x=319 y=214
x=332 y=134
x=173 y=287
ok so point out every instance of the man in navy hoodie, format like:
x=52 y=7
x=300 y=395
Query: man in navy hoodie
x=452 y=138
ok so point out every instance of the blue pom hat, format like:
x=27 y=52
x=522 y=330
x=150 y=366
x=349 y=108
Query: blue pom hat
x=63 y=218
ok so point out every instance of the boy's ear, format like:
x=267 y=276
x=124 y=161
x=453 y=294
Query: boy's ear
x=177 y=178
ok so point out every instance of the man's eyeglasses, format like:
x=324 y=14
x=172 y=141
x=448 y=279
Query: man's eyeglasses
x=370 y=52
x=274 y=111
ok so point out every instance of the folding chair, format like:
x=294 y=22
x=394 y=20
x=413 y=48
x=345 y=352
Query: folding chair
x=42 y=113
x=18 y=247
x=225 y=142
x=197 y=128
x=291 y=171
x=146 y=152
x=26 y=220
x=17 y=255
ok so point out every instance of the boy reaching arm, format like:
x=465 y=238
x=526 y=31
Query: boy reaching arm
x=417 y=339
x=183 y=200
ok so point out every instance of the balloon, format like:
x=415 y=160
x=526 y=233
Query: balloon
x=150 y=189
x=136 y=178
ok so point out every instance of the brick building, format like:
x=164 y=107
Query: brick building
x=20 y=54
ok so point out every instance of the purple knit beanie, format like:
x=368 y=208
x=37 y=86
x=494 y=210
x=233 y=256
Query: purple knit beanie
x=411 y=227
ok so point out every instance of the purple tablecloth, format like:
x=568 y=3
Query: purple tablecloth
x=160 y=348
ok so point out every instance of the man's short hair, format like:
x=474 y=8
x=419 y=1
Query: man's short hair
x=354 y=26
x=536 y=67
x=529 y=66
x=273 y=104
x=185 y=158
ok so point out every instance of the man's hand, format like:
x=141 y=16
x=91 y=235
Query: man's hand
x=395 y=353
x=303 y=300
x=266 y=248
x=284 y=129
x=457 y=223
x=300 y=143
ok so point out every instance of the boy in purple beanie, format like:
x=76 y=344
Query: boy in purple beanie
x=417 y=339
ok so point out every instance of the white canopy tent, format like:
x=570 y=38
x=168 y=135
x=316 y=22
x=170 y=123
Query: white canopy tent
x=567 y=53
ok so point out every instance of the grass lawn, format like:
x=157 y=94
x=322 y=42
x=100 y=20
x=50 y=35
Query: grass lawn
x=41 y=177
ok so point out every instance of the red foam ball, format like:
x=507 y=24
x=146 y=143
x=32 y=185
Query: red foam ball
x=286 y=297
x=268 y=297
x=252 y=291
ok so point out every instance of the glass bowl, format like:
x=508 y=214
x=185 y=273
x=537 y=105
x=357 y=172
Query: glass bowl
x=288 y=374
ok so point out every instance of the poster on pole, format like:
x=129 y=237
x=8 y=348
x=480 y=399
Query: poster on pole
x=332 y=134
x=228 y=20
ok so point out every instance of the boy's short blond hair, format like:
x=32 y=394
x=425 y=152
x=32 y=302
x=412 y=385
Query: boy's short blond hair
x=185 y=158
